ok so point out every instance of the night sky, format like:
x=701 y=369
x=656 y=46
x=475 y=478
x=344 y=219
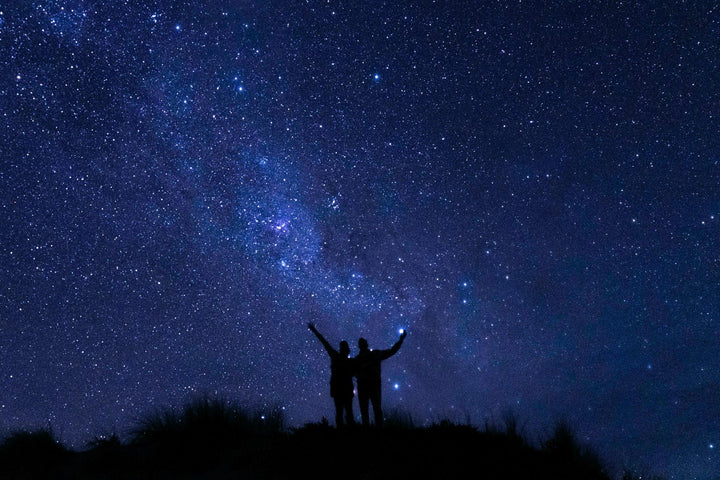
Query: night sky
x=530 y=188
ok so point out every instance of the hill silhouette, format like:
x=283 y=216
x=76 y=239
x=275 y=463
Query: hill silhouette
x=212 y=439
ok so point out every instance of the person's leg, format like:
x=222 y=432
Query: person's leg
x=349 y=417
x=363 y=400
x=377 y=408
x=338 y=412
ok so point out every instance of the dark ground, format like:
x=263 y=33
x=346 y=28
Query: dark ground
x=211 y=440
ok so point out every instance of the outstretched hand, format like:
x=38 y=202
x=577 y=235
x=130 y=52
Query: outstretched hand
x=403 y=334
x=311 y=326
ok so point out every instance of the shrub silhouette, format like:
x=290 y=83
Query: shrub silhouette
x=565 y=450
x=206 y=431
x=31 y=454
x=105 y=442
x=204 y=420
x=105 y=453
x=398 y=419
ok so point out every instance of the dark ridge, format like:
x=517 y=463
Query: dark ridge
x=212 y=439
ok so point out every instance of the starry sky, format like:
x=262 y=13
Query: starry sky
x=531 y=189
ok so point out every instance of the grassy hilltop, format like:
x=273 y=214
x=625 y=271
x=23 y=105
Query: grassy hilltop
x=211 y=439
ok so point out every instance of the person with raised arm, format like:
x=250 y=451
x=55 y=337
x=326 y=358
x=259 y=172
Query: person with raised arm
x=341 y=379
x=369 y=384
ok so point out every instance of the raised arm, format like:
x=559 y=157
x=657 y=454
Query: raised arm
x=393 y=350
x=331 y=351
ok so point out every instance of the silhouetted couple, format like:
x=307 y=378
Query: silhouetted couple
x=366 y=368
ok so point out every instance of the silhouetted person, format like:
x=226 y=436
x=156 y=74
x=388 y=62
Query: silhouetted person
x=369 y=383
x=341 y=379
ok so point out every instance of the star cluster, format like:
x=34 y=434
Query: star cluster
x=531 y=189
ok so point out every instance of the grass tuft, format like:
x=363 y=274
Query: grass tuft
x=206 y=420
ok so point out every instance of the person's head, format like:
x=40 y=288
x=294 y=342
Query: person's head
x=344 y=348
x=362 y=344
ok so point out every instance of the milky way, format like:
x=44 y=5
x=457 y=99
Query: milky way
x=531 y=189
